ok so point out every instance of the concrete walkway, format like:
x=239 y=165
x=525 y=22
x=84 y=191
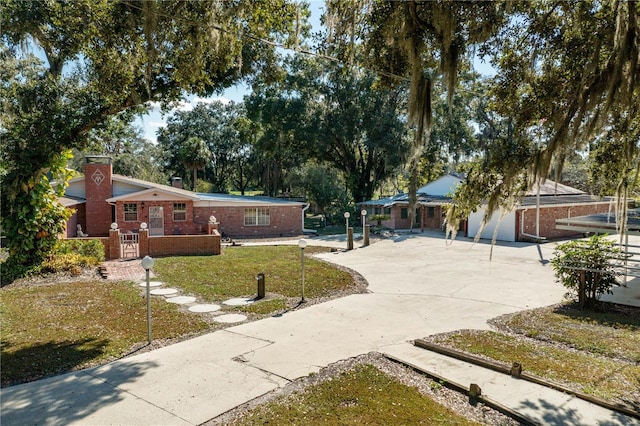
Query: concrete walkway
x=419 y=284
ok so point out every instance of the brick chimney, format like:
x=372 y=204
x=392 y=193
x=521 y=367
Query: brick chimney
x=98 y=187
x=176 y=182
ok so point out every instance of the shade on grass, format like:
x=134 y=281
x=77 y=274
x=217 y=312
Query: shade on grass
x=56 y=328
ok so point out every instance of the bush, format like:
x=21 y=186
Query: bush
x=88 y=248
x=586 y=268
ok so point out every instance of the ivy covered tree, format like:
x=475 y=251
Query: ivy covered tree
x=103 y=58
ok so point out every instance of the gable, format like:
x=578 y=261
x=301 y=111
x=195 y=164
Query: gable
x=153 y=194
x=442 y=187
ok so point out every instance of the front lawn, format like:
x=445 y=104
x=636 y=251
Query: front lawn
x=52 y=328
x=233 y=273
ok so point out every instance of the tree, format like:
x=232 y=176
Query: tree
x=280 y=145
x=132 y=155
x=107 y=57
x=566 y=71
x=417 y=41
x=322 y=185
x=587 y=268
x=335 y=115
x=195 y=155
x=218 y=126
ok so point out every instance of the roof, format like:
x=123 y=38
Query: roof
x=155 y=191
x=550 y=187
x=438 y=192
x=546 y=200
x=68 y=201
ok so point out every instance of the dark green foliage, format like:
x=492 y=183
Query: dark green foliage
x=104 y=58
x=586 y=268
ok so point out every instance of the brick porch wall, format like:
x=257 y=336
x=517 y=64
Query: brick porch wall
x=548 y=216
x=183 y=245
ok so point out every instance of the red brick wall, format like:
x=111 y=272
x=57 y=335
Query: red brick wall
x=548 y=216
x=171 y=227
x=96 y=193
x=184 y=245
x=284 y=221
x=78 y=217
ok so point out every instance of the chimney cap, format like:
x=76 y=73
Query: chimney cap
x=97 y=159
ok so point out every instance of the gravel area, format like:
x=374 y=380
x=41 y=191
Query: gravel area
x=408 y=376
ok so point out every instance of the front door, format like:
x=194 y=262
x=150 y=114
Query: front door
x=156 y=220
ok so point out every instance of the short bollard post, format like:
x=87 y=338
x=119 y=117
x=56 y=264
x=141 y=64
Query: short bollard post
x=261 y=289
x=365 y=242
x=350 y=239
x=516 y=369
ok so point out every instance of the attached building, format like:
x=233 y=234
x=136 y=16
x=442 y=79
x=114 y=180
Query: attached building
x=533 y=218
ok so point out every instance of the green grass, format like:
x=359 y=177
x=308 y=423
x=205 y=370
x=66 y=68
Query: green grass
x=363 y=395
x=603 y=360
x=52 y=329
x=232 y=274
x=612 y=334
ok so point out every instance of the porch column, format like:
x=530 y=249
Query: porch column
x=143 y=243
x=114 y=244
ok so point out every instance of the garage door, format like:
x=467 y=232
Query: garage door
x=506 y=228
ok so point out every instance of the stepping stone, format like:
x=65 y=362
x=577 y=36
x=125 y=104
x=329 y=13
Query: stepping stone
x=151 y=284
x=230 y=318
x=181 y=300
x=239 y=301
x=163 y=291
x=204 y=308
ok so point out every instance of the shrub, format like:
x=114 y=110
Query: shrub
x=88 y=248
x=378 y=218
x=586 y=268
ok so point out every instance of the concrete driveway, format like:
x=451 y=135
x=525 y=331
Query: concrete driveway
x=419 y=285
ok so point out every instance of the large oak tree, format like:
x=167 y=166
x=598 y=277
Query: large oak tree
x=103 y=57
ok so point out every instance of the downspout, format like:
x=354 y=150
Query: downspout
x=522 y=233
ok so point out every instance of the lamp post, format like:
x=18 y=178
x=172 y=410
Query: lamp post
x=147 y=263
x=347 y=215
x=302 y=244
x=363 y=212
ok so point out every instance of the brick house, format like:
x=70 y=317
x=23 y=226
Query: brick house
x=101 y=198
x=534 y=216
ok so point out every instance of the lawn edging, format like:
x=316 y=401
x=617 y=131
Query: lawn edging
x=515 y=371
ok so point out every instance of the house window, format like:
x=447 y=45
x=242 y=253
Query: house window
x=256 y=217
x=179 y=212
x=376 y=210
x=404 y=213
x=387 y=210
x=130 y=212
x=431 y=212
